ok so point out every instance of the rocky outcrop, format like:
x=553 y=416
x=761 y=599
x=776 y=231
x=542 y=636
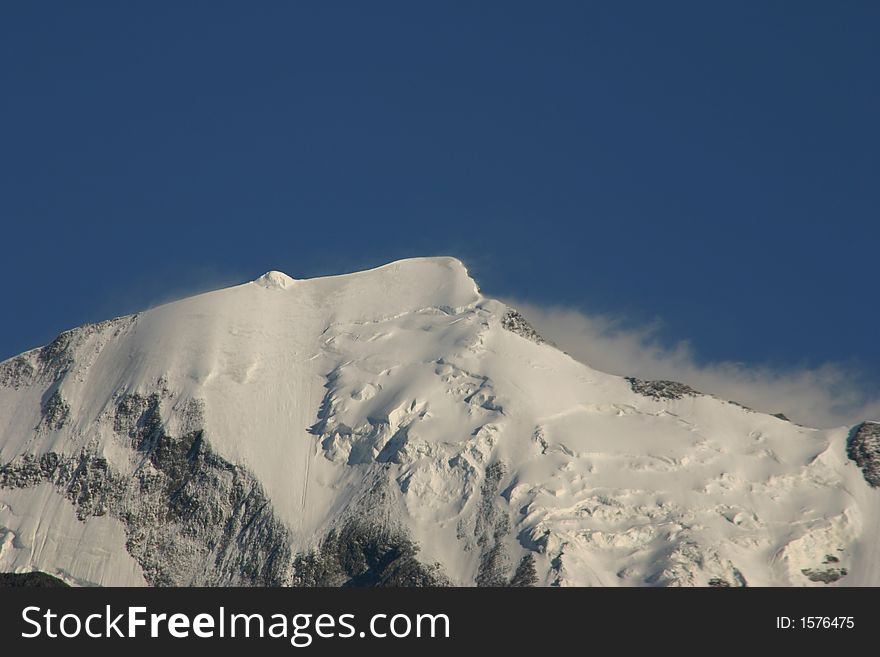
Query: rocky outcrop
x=194 y=519
x=363 y=554
x=52 y=362
x=492 y=527
x=17 y=372
x=514 y=322
x=55 y=411
x=526 y=574
x=190 y=517
x=826 y=575
x=34 y=579
x=863 y=447
x=660 y=389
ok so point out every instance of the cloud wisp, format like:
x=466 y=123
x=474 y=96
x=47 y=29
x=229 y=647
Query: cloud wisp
x=826 y=396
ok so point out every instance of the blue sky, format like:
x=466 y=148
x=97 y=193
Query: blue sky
x=713 y=166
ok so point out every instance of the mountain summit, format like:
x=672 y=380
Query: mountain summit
x=395 y=427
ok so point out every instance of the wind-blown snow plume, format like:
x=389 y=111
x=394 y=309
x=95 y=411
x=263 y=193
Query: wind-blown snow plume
x=826 y=396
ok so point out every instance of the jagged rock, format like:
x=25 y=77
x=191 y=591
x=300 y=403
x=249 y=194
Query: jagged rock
x=360 y=554
x=190 y=519
x=17 y=372
x=54 y=412
x=193 y=518
x=526 y=574
x=34 y=579
x=826 y=576
x=514 y=322
x=660 y=389
x=863 y=447
x=492 y=525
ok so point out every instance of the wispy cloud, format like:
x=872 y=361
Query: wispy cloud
x=826 y=396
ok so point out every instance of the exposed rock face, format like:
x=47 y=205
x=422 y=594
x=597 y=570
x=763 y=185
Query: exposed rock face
x=660 y=389
x=514 y=322
x=826 y=576
x=194 y=519
x=34 y=579
x=492 y=526
x=190 y=517
x=526 y=574
x=54 y=412
x=17 y=372
x=830 y=571
x=360 y=554
x=52 y=362
x=863 y=447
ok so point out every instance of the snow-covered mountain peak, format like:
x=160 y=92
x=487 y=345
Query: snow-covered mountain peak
x=394 y=426
x=418 y=282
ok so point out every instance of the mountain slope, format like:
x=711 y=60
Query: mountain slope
x=395 y=427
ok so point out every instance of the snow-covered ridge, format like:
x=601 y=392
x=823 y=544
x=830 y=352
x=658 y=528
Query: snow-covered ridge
x=286 y=431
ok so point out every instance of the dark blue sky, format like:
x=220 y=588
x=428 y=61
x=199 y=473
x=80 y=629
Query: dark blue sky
x=711 y=164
